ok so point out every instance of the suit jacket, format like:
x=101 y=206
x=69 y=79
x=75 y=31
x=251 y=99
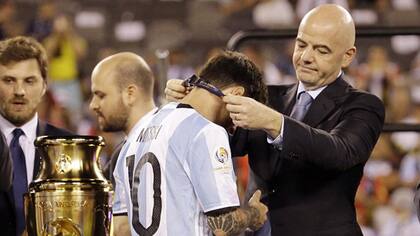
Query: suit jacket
x=417 y=201
x=6 y=171
x=7 y=216
x=311 y=182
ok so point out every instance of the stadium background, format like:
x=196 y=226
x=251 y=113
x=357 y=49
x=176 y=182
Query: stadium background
x=176 y=36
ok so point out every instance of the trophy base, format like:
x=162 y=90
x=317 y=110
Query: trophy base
x=68 y=213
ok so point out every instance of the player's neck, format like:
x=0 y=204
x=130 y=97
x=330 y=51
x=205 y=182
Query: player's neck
x=206 y=104
x=136 y=113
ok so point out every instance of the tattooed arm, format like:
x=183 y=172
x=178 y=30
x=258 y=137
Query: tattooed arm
x=232 y=221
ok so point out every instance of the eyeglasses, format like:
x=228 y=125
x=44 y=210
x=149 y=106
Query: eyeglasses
x=195 y=80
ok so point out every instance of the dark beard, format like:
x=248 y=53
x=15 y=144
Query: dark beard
x=17 y=119
x=116 y=122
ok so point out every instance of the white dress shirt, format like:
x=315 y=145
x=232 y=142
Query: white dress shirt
x=26 y=141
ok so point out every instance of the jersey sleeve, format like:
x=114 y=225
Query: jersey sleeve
x=209 y=163
x=119 y=205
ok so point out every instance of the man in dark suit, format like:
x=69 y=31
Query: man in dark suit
x=308 y=151
x=23 y=74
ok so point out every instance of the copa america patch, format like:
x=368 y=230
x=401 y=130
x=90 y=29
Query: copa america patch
x=222 y=155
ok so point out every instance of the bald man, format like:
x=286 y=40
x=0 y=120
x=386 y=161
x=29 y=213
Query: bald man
x=122 y=88
x=309 y=149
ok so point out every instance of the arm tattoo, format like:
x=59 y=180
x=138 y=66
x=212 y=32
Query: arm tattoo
x=234 y=222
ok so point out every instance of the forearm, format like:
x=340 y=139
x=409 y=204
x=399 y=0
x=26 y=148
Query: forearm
x=234 y=222
x=348 y=144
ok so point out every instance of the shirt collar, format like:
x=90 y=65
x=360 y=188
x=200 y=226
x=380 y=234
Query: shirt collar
x=312 y=93
x=140 y=121
x=29 y=128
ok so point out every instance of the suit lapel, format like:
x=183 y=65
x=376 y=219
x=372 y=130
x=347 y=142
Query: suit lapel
x=40 y=130
x=319 y=109
x=290 y=99
x=283 y=101
x=325 y=103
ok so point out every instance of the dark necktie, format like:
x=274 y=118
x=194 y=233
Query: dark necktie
x=302 y=106
x=20 y=185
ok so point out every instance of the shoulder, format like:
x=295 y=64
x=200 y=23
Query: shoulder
x=49 y=129
x=276 y=93
x=346 y=95
x=278 y=89
x=188 y=119
x=356 y=101
x=362 y=98
x=195 y=125
x=214 y=128
x=205 y=125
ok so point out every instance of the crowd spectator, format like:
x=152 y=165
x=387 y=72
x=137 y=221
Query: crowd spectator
x=65 y=50
x=41 y=26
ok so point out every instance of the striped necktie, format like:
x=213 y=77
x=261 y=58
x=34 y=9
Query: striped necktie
x=302 y=106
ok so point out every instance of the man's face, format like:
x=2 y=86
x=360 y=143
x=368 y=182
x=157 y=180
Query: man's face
x=21 y=90
x=107 y=102
x=318 y=55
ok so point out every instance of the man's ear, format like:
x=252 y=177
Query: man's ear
x=235 y=90
x=348 y=57
x=44 y=88
x=129 y=94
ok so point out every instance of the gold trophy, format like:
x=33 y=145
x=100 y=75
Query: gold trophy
x=70 y=196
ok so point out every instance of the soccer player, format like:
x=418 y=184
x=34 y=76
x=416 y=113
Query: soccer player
x=177 y=173
x=122 y=97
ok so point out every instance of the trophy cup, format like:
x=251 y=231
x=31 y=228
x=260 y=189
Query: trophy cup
x=70 y=196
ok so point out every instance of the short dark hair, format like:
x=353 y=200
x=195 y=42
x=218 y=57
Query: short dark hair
x=22 y=48
x=228 y=67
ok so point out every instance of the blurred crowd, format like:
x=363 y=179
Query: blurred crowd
x=385 y=196
x=77 y=34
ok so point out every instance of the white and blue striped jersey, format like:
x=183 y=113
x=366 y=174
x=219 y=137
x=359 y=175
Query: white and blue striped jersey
x=181 y=168
x=120 y=201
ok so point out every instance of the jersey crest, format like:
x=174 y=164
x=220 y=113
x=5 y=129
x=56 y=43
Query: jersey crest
x=222 y=155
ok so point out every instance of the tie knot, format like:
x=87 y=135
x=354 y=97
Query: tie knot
x=17 y=133
x=304 y=99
